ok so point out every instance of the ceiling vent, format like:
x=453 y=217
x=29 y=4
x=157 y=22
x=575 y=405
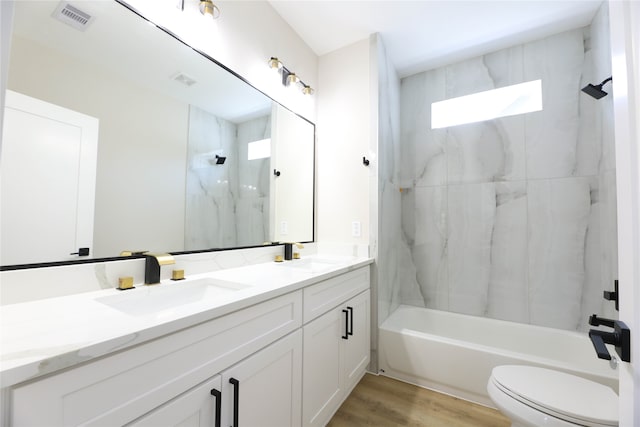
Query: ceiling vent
x=72 y=16
x=184 y=79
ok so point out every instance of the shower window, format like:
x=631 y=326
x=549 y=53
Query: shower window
x=259 y=149
x=491 y=104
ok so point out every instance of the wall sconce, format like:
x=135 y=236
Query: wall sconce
x=207 y=8
x=288 y=76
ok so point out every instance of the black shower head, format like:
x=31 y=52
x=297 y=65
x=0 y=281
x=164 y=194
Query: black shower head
x=596 y=90
x=220 y=160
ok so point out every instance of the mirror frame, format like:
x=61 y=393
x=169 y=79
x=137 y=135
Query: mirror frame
x=195 y=251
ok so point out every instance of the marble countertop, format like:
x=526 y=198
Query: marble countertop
x=41 y=337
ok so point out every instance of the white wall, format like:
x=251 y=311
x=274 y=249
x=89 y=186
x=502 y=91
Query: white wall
x=343 y=138
x=6 y=18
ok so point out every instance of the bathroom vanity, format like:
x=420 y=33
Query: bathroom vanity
x=268 y=344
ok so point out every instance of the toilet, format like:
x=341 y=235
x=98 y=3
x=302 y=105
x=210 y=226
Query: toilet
x=536 y=397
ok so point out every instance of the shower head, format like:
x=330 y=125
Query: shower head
x=596 y=90
x=220 y=160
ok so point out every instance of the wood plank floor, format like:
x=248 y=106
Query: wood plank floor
x=382 y=401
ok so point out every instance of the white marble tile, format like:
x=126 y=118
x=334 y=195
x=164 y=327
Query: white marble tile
x=429 y=248
x=593 y=285
x=505 y=66
x=559 y=216
x=388 y=218
x=608 y=250
x=471 y=213
x=423 y=156
x=600 y=50
x=508 y=284
x=523 y=215
x=552 y=134
x=486 y=152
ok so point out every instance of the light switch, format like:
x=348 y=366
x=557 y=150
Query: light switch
x=355 y=229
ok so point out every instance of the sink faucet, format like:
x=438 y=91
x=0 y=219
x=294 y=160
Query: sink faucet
x=288 y=249
x=153 y=261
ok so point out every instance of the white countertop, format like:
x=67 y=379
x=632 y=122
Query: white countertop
x=44 y=336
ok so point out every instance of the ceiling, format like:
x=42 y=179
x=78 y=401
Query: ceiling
x=425 y=34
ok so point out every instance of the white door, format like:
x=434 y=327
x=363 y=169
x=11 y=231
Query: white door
x=199 y=407
x=265 y=389
x=291 y=196
x=625 y=32
x=47 y=181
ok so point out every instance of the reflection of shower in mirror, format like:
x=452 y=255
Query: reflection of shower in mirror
x=205 y=160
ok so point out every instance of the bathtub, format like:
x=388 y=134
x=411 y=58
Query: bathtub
x=454 y=353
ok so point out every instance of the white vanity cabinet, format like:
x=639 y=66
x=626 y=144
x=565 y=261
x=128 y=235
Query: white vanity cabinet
x=199 y=407
x=336 y=346
x=120 y=388
x=265 y=389
x=262 y=390
x=284 y=362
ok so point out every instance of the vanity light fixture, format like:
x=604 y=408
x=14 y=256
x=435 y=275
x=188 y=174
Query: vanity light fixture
x=207 y=8
x=288 y=76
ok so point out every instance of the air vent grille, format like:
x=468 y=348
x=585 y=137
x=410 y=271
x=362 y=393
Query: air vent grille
x=72 y=16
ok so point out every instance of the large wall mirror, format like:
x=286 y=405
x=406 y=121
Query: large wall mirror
x=118 y=136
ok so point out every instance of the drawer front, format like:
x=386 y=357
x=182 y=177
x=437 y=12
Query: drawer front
x=119 y=388
x=322 y=297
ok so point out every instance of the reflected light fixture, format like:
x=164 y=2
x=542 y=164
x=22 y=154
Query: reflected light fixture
x=288 y=76
x=207 y=8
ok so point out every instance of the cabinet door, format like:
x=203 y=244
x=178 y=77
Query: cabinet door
x=198 y=407
x=357 y=347
x=322 y=371
x=265 y=389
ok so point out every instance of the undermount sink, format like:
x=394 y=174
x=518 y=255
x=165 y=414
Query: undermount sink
x=165 y=298
x=314 y=265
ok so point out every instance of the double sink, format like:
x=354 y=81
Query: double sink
x=164 y=299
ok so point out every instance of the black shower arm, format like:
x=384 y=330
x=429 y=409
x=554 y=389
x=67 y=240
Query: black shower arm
x=606 y=80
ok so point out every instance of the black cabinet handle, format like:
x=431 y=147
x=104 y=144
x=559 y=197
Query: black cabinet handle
x=350 y=331
x=346 y=325
x=218 y=395
x=236 y=398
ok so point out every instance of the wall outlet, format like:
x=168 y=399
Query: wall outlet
x=284 y=228
x=355 y=229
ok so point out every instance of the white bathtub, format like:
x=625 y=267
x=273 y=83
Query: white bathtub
x=455 y=354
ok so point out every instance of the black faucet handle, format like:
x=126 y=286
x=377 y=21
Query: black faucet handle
x=594 y=320
x=598 y=344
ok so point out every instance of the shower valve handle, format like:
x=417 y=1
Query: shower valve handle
x=620 y=338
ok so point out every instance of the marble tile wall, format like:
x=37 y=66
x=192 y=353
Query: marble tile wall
x=227 y=205
x=513 y=218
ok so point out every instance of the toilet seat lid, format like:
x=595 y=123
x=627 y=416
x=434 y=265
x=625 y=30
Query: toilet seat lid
x=559 y=394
